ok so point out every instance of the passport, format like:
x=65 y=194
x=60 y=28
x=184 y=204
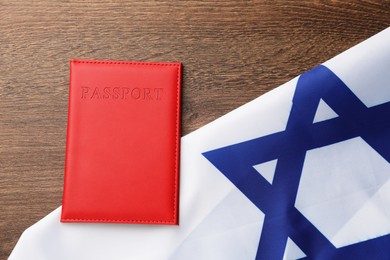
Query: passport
x=122 y=144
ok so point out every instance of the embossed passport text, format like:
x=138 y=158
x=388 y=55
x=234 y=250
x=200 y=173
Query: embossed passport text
x=122 y=147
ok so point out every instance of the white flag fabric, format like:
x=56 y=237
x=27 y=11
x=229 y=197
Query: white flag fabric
x=300 y=172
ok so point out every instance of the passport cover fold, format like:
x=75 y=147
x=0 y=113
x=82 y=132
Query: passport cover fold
x=122 y=145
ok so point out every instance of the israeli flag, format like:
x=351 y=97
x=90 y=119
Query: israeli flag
x=301 y=172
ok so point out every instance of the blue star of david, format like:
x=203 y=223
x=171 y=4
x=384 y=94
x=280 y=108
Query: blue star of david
x=276 y=200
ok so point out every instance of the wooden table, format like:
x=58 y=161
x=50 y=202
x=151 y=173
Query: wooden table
x=232 y=51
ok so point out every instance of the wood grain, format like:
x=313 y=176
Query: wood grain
x=232 y=51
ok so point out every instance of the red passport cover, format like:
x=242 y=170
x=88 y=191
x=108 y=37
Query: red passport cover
x=122 y=147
